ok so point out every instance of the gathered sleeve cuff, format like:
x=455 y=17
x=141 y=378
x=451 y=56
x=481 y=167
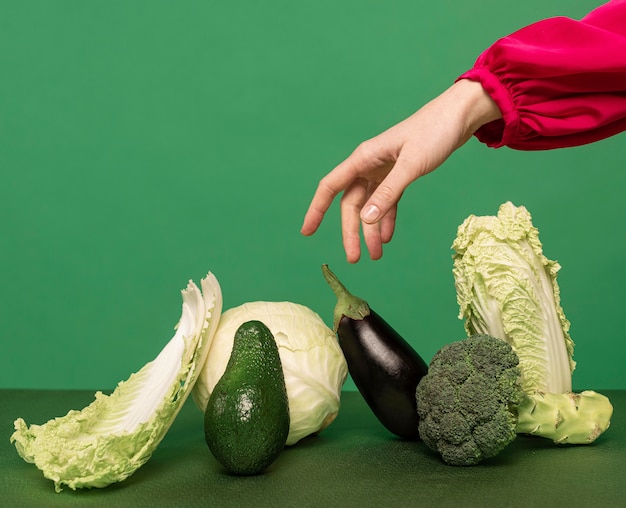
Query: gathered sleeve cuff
x=558 y=82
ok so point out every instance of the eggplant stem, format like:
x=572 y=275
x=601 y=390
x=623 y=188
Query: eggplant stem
x=348 y=305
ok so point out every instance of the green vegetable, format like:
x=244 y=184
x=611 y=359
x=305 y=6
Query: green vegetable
x=472 y=405
x=116 y=434
x=313 y=364
x=507 y=288
x=467 y=401
x=246 y=421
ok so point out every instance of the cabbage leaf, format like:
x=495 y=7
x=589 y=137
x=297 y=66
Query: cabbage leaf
x=116 y=434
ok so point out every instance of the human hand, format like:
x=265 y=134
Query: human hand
x=374 y=177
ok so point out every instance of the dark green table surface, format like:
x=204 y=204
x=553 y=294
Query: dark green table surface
x=355 y=462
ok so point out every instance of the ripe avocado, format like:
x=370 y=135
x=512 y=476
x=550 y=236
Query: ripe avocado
x=246 y=421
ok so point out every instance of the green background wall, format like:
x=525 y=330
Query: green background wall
x=144 y=143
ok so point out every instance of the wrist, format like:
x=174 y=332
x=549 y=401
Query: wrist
x=479 y=107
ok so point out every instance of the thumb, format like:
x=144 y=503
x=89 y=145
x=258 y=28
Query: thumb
x=386 y=196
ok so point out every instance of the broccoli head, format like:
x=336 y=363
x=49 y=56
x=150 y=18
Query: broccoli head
x=472 y=404
x=467 y=402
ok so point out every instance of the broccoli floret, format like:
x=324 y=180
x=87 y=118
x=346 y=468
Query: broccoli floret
x=467 y=402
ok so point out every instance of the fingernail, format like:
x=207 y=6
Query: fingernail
x=370 y=214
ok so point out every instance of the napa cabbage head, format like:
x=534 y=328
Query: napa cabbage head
x=508 y=289
x=116 y=434
x=313 y=363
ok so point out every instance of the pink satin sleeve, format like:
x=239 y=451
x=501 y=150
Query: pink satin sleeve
x=559 y=82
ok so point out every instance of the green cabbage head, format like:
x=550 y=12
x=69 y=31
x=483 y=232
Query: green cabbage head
x=313 y=363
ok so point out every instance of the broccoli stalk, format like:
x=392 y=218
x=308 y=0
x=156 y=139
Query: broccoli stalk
x=472 y=404
x=574 y=418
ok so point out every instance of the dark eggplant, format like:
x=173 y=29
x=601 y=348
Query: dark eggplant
x=384 y=367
